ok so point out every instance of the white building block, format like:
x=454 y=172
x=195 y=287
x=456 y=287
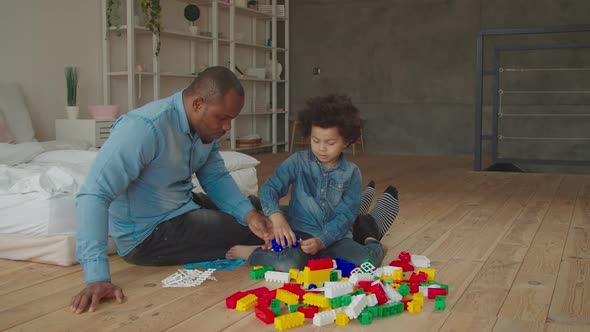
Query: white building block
x=392 y=294
x=372 y=300
x=355 y=278
x=354 y=309
x=338 y=289
x=420 y=261
x=388 y=270
x=324 y=318
x=275 y=276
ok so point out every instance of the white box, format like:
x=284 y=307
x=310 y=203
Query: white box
x=94 y=132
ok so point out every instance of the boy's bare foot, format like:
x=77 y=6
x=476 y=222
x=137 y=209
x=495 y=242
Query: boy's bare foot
x=240 y=251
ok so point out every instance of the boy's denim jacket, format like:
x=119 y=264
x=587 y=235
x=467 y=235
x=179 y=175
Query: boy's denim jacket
x=324 y=203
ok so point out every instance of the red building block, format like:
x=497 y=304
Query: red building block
x=419 y=278
x=433 y=292
x=264 y=300
x=320 y=264
x=405 y=302
x=258 y=291
x=308 y=311
x=414 y=287
x=406 y=267
x=231 y=300
x=405 y=257
x=379 y=293
x=264 y=314
x=295 y=289
x=365 y=285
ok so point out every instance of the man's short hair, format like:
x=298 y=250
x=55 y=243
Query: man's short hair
x=214 y=83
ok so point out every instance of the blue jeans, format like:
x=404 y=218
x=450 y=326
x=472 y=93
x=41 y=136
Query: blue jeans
x=295 y=258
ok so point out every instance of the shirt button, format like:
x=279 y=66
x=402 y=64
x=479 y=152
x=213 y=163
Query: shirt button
x=323 y=204
x=322 y=190
x=324 y=174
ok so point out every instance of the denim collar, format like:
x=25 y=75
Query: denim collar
x=178 y=104
x=341 y=164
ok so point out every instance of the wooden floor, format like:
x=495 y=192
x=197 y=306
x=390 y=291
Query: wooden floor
x=514 y=249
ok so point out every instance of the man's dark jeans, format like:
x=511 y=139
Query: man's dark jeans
x=200 y=235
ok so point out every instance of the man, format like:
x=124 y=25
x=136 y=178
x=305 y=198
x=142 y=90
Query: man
x=139 y=188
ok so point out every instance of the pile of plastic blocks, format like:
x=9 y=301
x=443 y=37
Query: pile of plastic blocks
x=336 y=291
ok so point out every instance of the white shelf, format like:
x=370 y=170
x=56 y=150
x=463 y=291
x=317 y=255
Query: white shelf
x=193 y=52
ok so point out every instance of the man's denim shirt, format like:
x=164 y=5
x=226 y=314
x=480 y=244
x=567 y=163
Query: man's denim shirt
x=324 y=203
x=142 y=177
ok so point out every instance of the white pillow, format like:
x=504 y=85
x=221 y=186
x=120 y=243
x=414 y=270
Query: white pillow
x=245 y=178
x=67 y=156
x=236 y=160
x=12 y=104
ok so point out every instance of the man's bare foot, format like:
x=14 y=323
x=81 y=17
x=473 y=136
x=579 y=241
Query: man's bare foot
x=240 y=251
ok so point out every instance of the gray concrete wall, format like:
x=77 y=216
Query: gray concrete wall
x=409 y=65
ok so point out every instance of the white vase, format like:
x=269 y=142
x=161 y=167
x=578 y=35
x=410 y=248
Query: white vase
x=278 y=68
x=72 y=112
x=194 y=30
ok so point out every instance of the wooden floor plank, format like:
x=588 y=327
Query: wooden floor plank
x=530 y=296
x=571 y=299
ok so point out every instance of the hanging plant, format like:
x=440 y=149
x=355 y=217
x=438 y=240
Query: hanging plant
x=152 y=14
x=113 y=11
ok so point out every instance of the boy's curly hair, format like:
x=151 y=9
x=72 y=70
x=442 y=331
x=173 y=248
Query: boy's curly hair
x=331 y=111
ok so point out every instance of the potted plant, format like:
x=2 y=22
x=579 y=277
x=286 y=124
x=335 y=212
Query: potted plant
x=152 y=14
x=72 y=90
x=113 y=11
x=192 y=14
x=253 y=4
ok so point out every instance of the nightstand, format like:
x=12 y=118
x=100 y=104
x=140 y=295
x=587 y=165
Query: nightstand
x=91 y=131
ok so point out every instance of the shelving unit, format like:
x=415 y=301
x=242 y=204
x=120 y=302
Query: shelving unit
x=238 y=39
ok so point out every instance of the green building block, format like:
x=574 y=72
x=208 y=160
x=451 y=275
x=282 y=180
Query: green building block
x=340 y=301
x=404 y=290
x=359 y=292
x=374 y=311
x=275 y=306
x=333 y=276
x=293 y=308
x=439 y=303
x=365 y=318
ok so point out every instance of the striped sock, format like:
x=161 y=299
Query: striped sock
x=367 y=198
x=386 y=210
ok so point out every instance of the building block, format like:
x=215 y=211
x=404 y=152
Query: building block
x=324 y=318
x=278 y=247
x=289 y=321
x=275 y=306
x=341 y=301
x=398 y=275
x=365 y=285
x=419 y=277
x=419 y=298
x=365 y=318
x=230 y=301
x=246 y=303
x=433 y=292
x=316 y=300
x=293 y=274
x=439 y=303
x=258 y=272
x=406 y=267
x=320 y=264
x=317 y=277
x=372 y=300
x=295 y=289
x=403 y=290
x=260 y=291
x=264 y=314
x=342 y=319
x=356 y=277
x=379 y=292
x=264 y=299
x=294 y=307
x=414 y=307
x=405 y=257
x=420 y=261
x=367 y=267
x=308 y=311
x=358 y=304
x=414 y=287
x=392 y=294
x=344 y=266
x=374 y=310
x=430 y=272
x=334 y=275
x=338 y=289
x=274 y=276
x=287 y=297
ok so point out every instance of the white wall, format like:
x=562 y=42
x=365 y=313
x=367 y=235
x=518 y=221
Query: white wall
x=38 y=38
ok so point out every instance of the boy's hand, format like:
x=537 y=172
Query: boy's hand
x=283 y=233
x=312 y=246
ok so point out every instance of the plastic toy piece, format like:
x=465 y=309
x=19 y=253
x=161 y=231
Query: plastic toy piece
x=316 y=300
x=264 y=299
x=406 y=267
x=356 y=277
x=324 y=318
x=264 y=314
x=338 y=289
x=379 y=292
x=405 y=257
x=372 y=300
x=188 y=278
x=275 y=306
x=414 y=288
x=342 y=319
x=433 y=292
x=293 y=308
x=367 y=267
x=293 y=273
x=365 y=285
x=274 y=276
x=414 y=307
x=289 y=321
x=392 y=294
x=278 y=247
x=230 y=301
x=219 y=264
x=365 y=318
x=403 y=290
x=260 y=291
x=420 y=261
x=308 y=311
x=439 y=303
x=430 y=272
x=344 y=266
x=419 y=277
x=359 y=302
x=341 y=301
x=257 y=273
x=285 y=296
x=320 y=264
x=246 y=303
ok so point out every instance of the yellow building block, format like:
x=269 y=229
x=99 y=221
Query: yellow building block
x=344 y=279
x=342 y=319
x=293 y=274
x=385 y=277
x=316 y=300
x=419 y=298
x=317 y=277
x=246 y=303
x=430 y=272
x=398 y=275
x=289 y=321
x=285 y=296
x=257 y=267
x=414 y=307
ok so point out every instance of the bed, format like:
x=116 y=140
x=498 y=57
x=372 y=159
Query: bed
x=39 y=180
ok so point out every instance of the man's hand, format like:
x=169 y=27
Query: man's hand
x=312 y=246
x=260 y=225
x=283 y=233
x=90 y=296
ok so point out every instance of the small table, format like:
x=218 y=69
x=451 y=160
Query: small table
x=94 y=132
